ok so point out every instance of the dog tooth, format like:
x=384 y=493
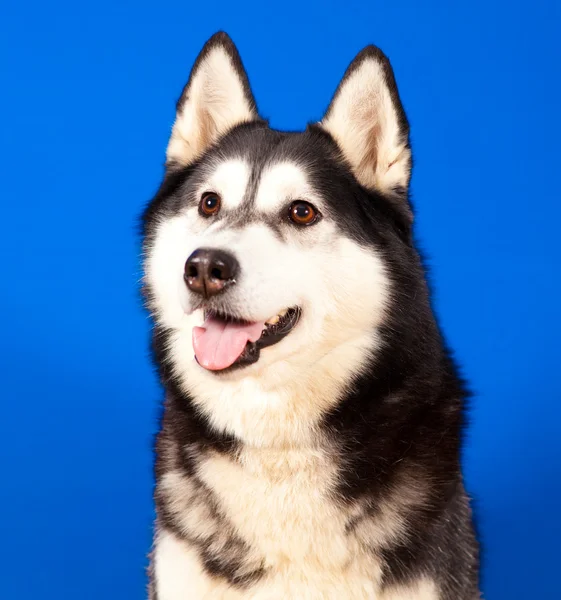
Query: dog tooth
x=274 y=320
x=283 y=312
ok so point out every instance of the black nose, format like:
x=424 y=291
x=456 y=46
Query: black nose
x=209 y=272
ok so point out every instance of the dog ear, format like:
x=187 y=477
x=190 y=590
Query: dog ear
x=217 y=97
x=368 y=122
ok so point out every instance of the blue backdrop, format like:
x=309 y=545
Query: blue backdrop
x=87 y=101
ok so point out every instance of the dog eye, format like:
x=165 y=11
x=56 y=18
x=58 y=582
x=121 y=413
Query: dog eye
x=209 y=204
x=303 y=213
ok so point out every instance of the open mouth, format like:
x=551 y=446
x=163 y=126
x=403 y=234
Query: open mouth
x=223 y=342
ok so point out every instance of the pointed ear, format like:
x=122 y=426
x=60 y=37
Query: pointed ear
x=368 y=122
x=217 y=97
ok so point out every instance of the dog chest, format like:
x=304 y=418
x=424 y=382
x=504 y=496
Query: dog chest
x=281 y=502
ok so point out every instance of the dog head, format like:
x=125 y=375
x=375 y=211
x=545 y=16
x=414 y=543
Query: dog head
x=270 y=255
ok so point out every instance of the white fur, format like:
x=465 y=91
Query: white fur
x=281 y=184
x=229 y=180
x=363 y=120
x=424 y=589
x=216 y=102
x=390 y=527
x=163 y=271
x=178 y=571
x=180 y=576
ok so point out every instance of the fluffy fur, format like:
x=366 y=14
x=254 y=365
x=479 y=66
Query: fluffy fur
x=329 y=468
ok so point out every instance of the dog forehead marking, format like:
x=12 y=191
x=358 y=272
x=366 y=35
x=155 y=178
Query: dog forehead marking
x=280 y=183
x=230 y=180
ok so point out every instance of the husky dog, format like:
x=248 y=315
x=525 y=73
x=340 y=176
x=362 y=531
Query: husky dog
x=310 y=442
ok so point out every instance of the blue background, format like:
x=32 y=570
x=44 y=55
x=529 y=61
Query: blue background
x=87 y=101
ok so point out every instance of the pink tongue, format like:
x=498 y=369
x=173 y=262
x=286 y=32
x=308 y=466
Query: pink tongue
x=218 y=344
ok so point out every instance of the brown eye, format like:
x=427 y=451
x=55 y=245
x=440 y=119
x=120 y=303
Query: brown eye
x=209 y=204
x=303 y=213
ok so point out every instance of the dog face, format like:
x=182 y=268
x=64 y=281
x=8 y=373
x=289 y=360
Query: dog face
x=269 y=255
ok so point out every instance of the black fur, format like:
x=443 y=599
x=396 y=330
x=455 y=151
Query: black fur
x=403 y=418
